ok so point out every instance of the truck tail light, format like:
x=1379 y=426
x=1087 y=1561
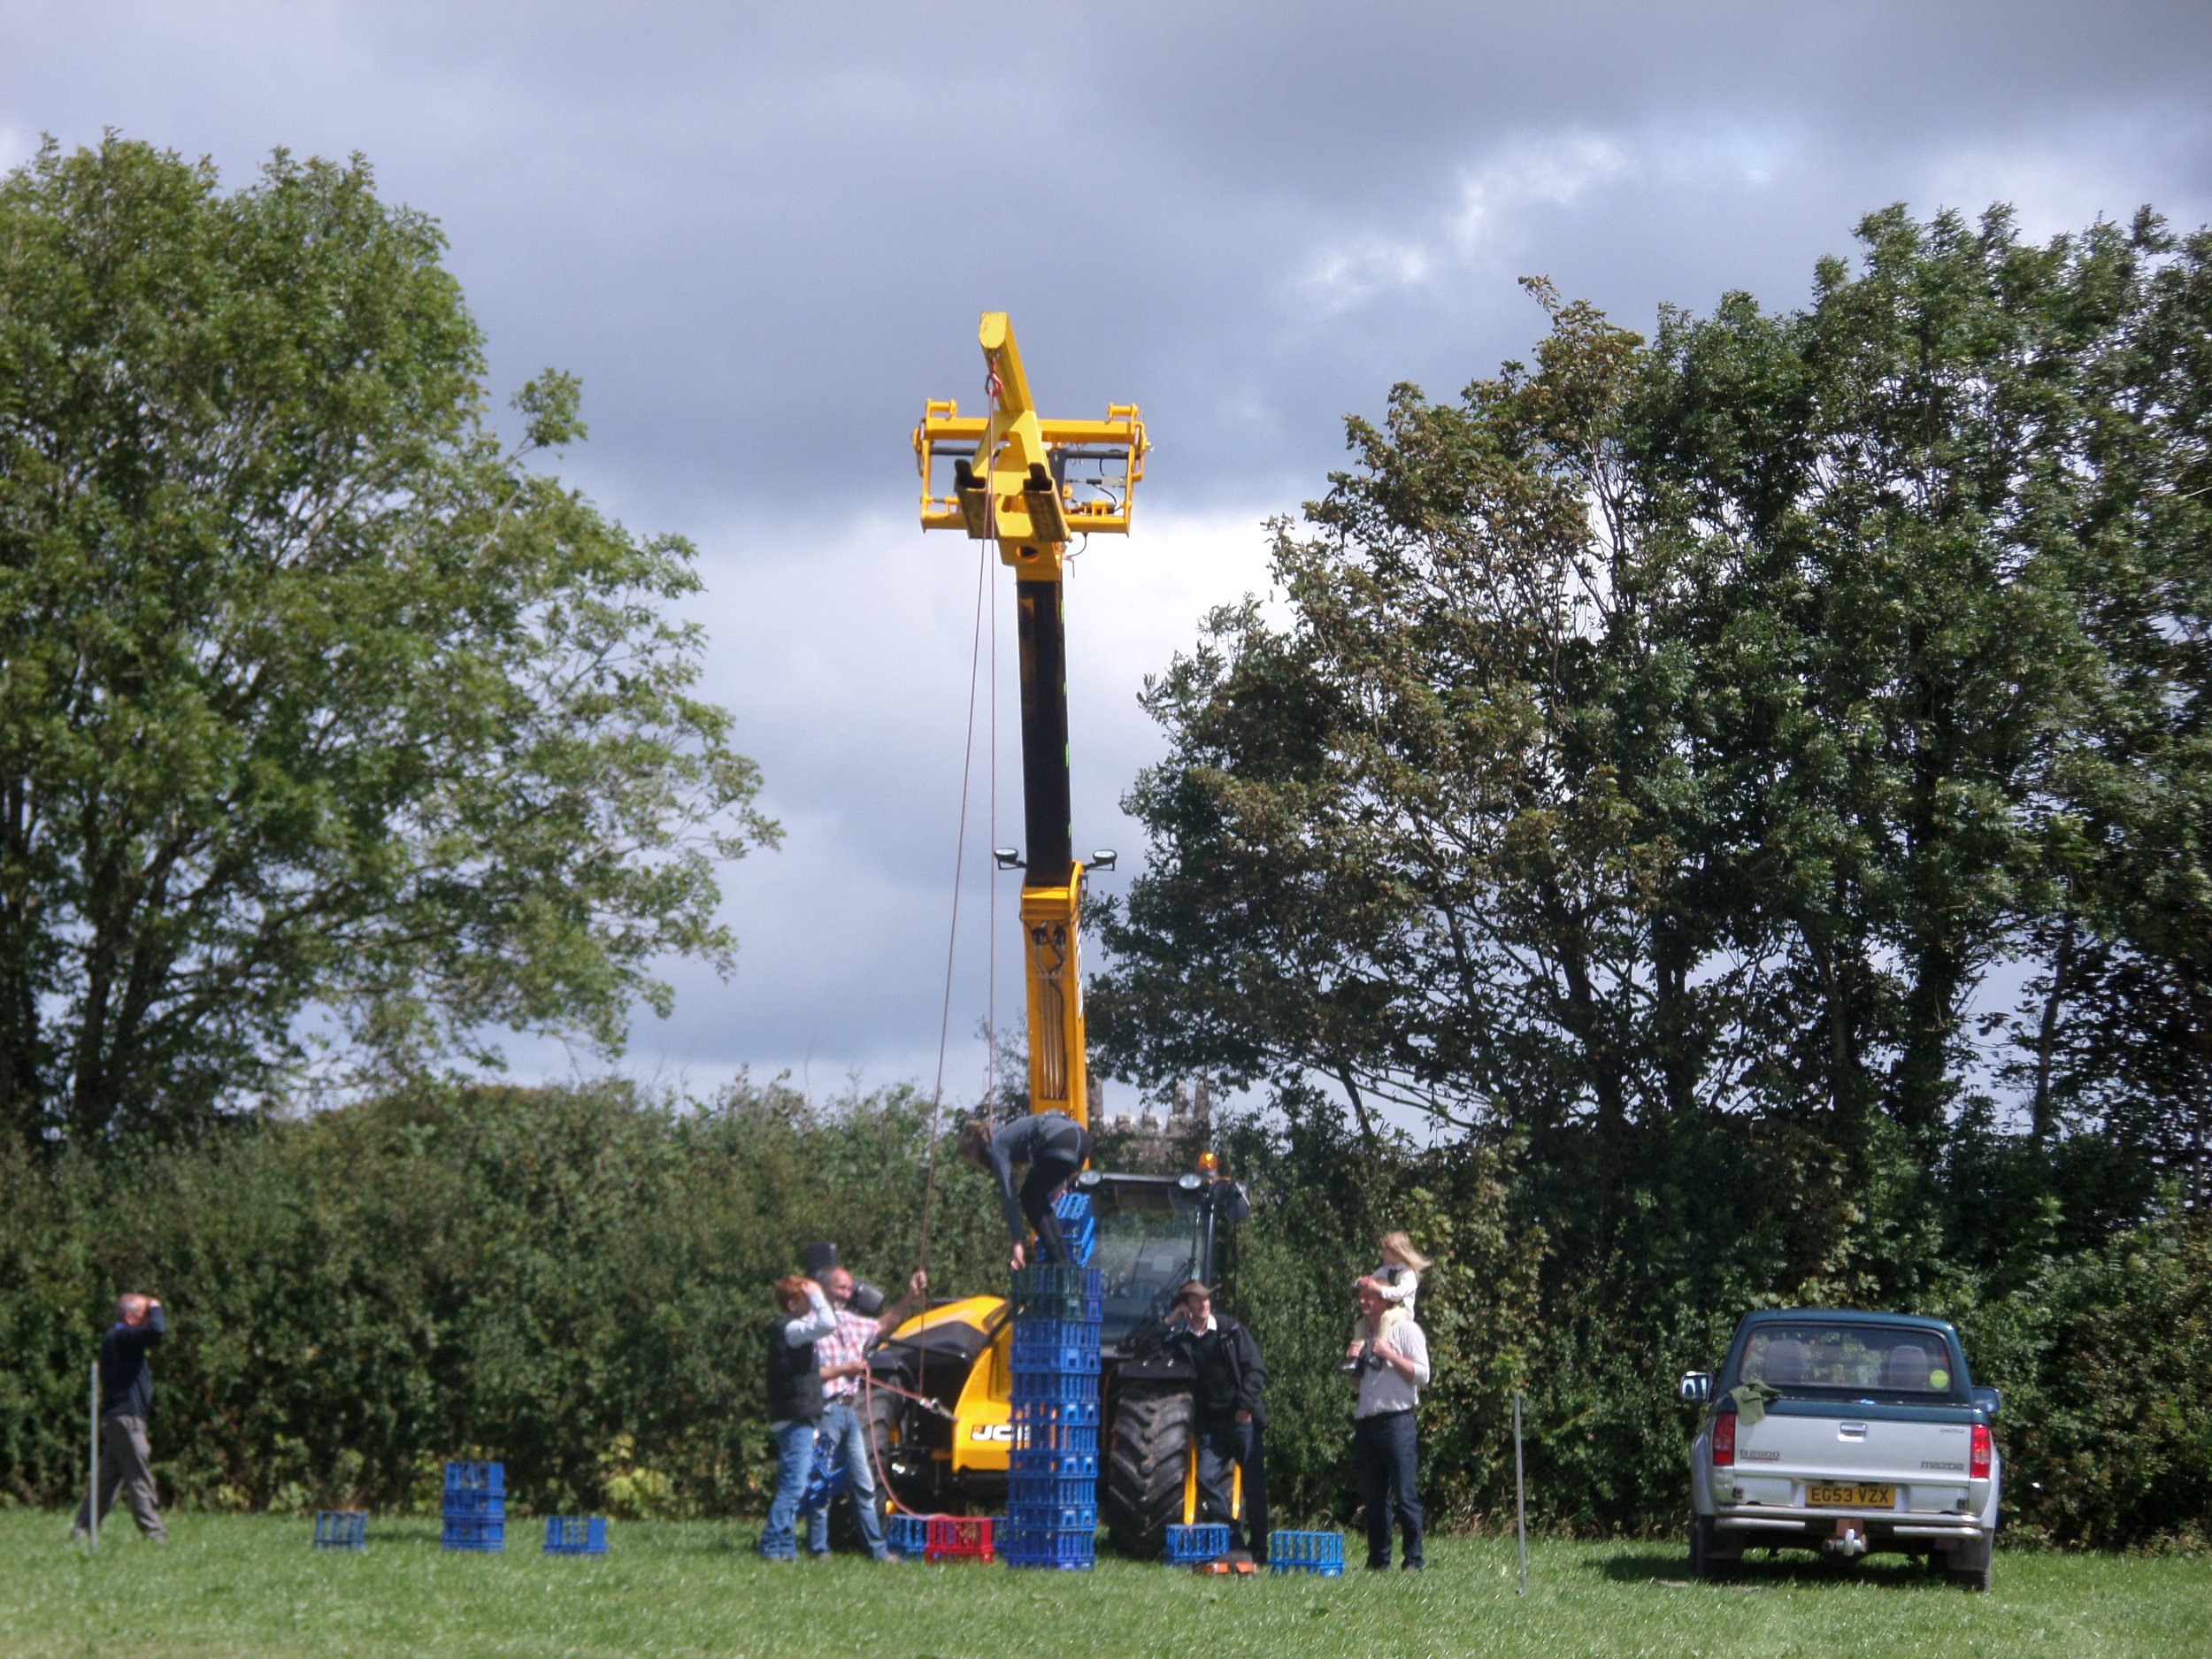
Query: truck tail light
x=1724 y=1443
x=1978 y=1459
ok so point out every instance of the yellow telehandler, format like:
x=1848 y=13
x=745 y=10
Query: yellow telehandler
x=940 y=1422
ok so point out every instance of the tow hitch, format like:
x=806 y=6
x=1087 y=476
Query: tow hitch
x=1849 y=1542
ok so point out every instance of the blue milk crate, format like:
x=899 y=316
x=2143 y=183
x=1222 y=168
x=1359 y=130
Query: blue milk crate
x=1054 y=1414
x=1040 y=1333
x=1187 y=1545
x=1051 y=1278
x=1032 y=1442
x=463 y=1505
x=484 y=1535
x=1078 y=1387
x=1053 y=1292
x=1062 y=1359
x=1052 y=1518
x=342 y=1528
x=1321 y=1553
x=1036 y=1465
x=824 y=1484
x=906 y=1535
x=1079 y=1226
x=1088 y=1308
x=575 y=1534
x=1036 y=1547
x=1022 y=1487
x=487 y=1477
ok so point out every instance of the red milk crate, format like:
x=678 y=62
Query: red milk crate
x=957 y=1538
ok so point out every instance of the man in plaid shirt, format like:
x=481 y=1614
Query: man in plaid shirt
x=841 y=1441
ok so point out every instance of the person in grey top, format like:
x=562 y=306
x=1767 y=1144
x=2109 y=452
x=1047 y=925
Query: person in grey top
x=1053 y=1146
x=127 y=1401
x=1386 y=1450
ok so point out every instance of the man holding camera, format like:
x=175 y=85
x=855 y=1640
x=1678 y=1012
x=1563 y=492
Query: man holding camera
x=1385 y=1451
x=127 y=1401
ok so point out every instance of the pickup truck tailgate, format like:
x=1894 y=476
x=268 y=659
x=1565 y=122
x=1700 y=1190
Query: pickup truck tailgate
x=1921 y=1450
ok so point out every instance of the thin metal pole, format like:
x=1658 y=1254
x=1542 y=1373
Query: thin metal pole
x=1520 y=1491
x=92 y=1490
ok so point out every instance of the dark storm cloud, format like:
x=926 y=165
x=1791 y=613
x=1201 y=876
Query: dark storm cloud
x=762 y=235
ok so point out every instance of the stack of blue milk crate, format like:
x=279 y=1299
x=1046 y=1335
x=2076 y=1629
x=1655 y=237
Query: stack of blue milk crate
x=475 y=1506
x=1052 y=1479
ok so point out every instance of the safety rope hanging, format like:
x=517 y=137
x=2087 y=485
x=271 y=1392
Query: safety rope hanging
x=952 y=938
x=992 y=387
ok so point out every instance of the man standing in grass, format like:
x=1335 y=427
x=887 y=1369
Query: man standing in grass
x=1229 y=1393
x=1386 y=1452
x=127 y=1401
x=794 y=1403
x=843 y=1441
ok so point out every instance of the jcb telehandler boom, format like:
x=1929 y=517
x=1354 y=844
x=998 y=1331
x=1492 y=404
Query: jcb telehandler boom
x=1031 y=485
x=1012 y=485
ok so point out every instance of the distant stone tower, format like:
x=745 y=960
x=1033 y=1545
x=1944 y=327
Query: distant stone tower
x=1141 y=1141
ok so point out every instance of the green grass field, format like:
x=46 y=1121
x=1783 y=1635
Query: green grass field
x=253 y=1585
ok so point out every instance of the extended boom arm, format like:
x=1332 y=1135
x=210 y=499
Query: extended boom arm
x=1031 y=484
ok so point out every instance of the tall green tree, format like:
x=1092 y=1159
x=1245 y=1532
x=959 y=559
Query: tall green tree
x=1697 y=726
x=1889 y=491
x=2120 y=1034
x=317 y=703
x=1403 y=842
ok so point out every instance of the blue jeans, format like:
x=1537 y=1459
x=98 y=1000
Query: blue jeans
x=794 y=1456
x=1386 y=1456
x=845 y=1439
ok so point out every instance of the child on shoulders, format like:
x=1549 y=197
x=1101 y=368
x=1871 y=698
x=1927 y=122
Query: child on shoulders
x=1398 y=1281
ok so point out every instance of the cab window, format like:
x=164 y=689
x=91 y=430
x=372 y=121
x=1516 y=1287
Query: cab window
x=1861 y=1359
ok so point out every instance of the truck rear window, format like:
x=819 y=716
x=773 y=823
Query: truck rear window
x=1878 y=1359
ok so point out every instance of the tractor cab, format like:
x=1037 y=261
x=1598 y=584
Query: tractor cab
x=1156 y=1233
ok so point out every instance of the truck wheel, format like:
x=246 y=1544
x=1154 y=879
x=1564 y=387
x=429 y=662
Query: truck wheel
x=1971 y=1566
x=1714 y=1555
x=1147 y=1454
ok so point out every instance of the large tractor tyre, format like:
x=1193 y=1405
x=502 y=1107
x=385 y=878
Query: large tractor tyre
x=1145 y=1466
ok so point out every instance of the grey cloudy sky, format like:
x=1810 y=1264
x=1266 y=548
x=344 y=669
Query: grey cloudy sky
x=762 y=234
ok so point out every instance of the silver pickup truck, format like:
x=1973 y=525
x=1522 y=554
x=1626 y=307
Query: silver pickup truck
x=1844 y=1432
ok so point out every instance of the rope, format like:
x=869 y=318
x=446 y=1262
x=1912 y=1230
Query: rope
x=908 y=1394
x=990 y=949
x=994 y=387
x=868 y=1386
x=952 y=938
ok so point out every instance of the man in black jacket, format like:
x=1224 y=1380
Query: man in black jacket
x=794 y=1403
x=127 y=1401
x=1230 y=1396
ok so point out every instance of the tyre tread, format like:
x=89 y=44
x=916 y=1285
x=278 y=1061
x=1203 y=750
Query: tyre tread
x=1144 y=1469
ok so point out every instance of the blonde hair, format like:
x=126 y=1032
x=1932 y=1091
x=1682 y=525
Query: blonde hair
x=1400 y=1246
